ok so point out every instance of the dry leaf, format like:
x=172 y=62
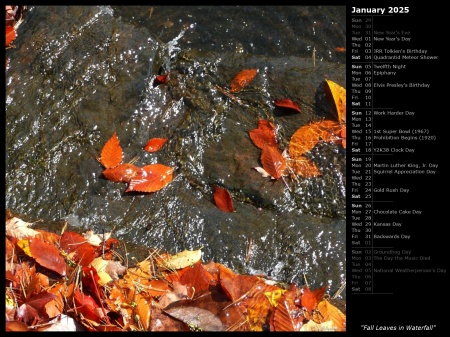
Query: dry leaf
x=18 y=228
x=181 y=260
x=111 y=155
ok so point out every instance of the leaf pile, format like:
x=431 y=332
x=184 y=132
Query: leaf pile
x=78 y=282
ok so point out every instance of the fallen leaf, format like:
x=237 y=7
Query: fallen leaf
x=287 y=316
x=340 y=49
x=264 y=134
x=196 y=318
x=181 y=260
x=122 y=173
x=111 y=155
x=18 y=228
x=313 y=326
x=161 y=79
x=338 y=95
x=287 y=103
x=155 y=144
x=273 y=161
x=242 y=79
x=304 y=167
x=328 y=312
x=11 y=35
x=307 y=136
x=151 y=178
x=77 y=248
x=47 y=255
x=222 y=198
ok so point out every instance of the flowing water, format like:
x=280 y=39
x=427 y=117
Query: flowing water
x=79 y=74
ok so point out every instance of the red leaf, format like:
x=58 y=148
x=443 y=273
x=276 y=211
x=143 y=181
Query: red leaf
x=222 y=199
x=155 y=144
x=161 y=79
x=122 y=173
x=287 y=103
x=264 y=134
x=242 y=79
x=47 y=255
x=309 y=300
x=151 y=178
x=273 y=161
x=111 y=155
x=10 y=35
x=77 y=248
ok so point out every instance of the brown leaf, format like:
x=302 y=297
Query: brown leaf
x=287 y=103
x=151 y=178
x=111 y=154
x=47 y=255
x=242 y=79
x=222 y=198
x=122 y=173
x=273 y=161
x=338 y=95
x=264 y=134
x=196 y=318
x=143 y=310
x=155 y=144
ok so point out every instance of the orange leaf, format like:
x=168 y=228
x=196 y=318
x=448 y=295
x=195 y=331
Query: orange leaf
x=155 y=144
x=338 y=95
x=344 y=136
x=330 y=313
x=111 y=155
x=287 y=103
x=264 y=134
x=122 y=173
x=222 y=199
x=273 y=161
x=242 y=79
x=304 y=167
x=287 y=316
x=340 y=49
x=47 y=255
x=10 y=35
x=307 y=136
x=309 y=300
x=151 y=178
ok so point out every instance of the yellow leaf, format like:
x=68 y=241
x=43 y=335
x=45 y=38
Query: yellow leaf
x=100 y=265
x=183 y=259
x=25 y=245
x=274 y=296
